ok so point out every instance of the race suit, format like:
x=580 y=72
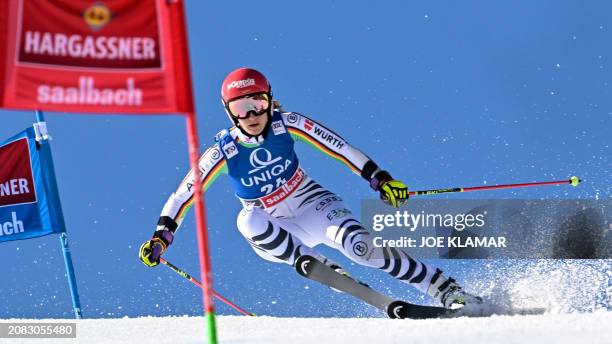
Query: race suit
x=286 y=213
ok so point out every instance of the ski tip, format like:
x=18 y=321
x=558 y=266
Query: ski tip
x=395 y=310
x=574 y=181
x=405 y=310
x=303 y=265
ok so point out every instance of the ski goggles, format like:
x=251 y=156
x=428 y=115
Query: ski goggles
x=255 y=105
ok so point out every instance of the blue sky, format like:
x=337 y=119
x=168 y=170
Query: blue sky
x=441 y=94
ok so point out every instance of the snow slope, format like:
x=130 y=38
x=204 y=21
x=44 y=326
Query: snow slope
x=590 y=328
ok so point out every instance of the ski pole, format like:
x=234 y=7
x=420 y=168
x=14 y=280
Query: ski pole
x=573 y=181
x=196 y=282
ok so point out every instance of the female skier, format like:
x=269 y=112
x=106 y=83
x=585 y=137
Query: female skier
x=286 y=213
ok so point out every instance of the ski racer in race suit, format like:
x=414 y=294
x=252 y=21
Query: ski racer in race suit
x=286 y=213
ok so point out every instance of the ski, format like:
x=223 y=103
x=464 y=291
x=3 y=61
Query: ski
x=313 y=269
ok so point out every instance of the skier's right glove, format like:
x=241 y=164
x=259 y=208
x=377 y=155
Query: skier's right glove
x=151 y=251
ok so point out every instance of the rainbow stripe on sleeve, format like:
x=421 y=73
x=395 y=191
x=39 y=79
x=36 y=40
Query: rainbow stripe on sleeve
x=218 y=169
x=300 y=135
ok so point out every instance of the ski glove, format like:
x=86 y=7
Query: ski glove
x=151 y=251
x=392 y=191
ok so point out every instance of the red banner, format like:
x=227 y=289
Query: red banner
x=120 y=56
x=16 y=181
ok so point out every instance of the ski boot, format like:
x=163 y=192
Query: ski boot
x=450 y=294
x=455 y=298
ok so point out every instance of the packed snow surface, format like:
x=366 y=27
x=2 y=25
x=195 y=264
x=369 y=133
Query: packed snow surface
x=548 y=328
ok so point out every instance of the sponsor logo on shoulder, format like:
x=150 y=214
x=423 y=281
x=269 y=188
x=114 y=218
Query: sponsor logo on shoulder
x=210 y=158
x=308 y=124
x=230 y=149
x=220 y=134
x=292 y=118
x=278 y=127
x=214 y=153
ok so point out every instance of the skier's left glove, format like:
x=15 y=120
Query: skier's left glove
x=392 y=191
